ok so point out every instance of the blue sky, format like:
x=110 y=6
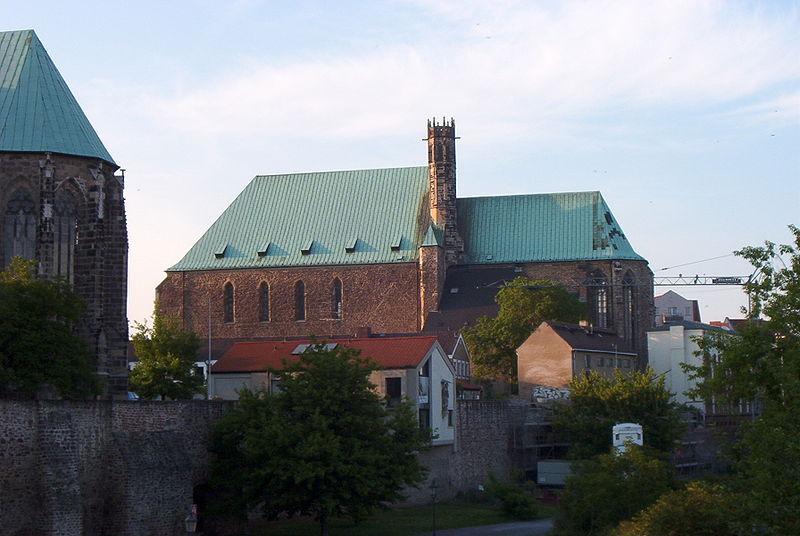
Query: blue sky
x=684 y=114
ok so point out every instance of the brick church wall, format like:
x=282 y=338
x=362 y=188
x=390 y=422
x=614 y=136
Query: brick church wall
x=100 y=256
x=383 y=297
x=570 y=273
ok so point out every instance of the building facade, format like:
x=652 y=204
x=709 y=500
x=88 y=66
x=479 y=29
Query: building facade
x=333 y=252
x=61 y=199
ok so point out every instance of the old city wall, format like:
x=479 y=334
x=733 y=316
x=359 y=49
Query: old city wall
x=130 y=468
x=393 y=310
x=101 y=467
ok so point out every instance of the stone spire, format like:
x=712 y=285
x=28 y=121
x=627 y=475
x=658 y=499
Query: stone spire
x=442 y=176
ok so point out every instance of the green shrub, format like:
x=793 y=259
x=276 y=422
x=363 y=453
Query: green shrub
x=515 y=499
x=699 y=509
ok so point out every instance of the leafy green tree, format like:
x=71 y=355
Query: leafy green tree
x=324 y=446
x=698 y=509
x=597 y=403
x=524 y=304
x=761 y=362
x=167 y=354
x=610 y=488
x=39 y=344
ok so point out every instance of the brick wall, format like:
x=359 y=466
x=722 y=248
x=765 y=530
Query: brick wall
x=384 y=297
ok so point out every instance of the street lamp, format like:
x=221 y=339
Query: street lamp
x=433 y=487
x=190 y=523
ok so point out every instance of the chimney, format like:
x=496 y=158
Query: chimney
x=364 y=332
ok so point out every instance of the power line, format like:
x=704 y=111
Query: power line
x=695 y=262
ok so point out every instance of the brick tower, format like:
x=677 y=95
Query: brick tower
x=60 y=200
x=442 y=175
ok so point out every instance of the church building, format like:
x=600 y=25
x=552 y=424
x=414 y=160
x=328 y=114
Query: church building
x=61 y=202
x=395 y=251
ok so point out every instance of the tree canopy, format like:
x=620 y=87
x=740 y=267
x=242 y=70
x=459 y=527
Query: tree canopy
x=610 y=488
x=39 y=344
x=524 y=304
x=761 y=363
x=597 y=403
x=325 y=445
x=167 y=354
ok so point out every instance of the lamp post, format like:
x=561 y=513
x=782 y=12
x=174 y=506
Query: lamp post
x=190 y=523
x=433 y=487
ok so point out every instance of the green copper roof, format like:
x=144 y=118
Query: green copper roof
x=38 y=112
x=540 y=228
x=313 y=219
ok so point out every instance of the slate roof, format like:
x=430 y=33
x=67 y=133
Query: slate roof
x=540 y=228
x=687 y=324
x=590 y=338
x=380 y=216
x=38 y=112
x=389 y=352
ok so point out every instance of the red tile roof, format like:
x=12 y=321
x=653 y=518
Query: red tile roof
x=389 y=352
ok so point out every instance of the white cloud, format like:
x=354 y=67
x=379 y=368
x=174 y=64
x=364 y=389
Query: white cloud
x=506 y=60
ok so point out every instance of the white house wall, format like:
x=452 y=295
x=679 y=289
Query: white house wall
x=666 y=351
x=441 y=409
x=225 y=386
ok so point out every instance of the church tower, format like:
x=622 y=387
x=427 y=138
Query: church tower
x=61 y=202
x=442 y=177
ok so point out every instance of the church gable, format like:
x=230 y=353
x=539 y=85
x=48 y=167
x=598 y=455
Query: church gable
x=38 y=112
x=318 y=219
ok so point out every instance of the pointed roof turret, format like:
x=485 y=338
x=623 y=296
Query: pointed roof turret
x=38 y=112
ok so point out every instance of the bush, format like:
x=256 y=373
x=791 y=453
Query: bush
x=608 y=489
x=699 y=509
x=516 y=500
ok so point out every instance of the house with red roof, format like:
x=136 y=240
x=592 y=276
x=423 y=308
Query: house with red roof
x=412 y=367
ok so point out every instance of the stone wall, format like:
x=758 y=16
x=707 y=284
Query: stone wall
x=101 y=468
x=97 y=261
x=129 y=468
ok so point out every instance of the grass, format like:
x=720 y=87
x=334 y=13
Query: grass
x=407 y=521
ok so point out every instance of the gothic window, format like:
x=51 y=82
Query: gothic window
x=599 y=301
x=263 y=302
x=65 y=233
x=299 y=301
x=20 y=227
x=229 y=303
x=628 y=306
x=336 y=298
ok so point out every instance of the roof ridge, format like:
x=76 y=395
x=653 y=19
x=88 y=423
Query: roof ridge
x=326 y=171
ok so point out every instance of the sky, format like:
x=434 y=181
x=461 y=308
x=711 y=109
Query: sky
x=684 y=114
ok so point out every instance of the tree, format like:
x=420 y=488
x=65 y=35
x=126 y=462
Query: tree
x=610 y=488
x=324 y=446
x=761 y=362
x=524 y=304
x=39 y=344
x=597 y=403
x=698 y=509
x=167 y=355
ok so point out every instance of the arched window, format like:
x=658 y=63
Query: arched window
x=599 y=302
x=229 y=302
x=299 y=301
x=336 y=298
x=65 y=233
x=629 y=306
x=20 y=227
x=263 y=301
